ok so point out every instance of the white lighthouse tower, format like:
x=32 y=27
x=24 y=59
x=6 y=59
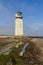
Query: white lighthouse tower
x=19 y=24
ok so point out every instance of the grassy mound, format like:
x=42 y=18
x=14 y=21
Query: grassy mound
x=30 y=57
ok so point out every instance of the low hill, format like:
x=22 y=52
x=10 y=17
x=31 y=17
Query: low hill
x=32 y=56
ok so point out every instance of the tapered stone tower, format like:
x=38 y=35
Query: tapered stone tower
x=19 y=24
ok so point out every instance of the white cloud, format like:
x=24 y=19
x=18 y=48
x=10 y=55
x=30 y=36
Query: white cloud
x=35 y=29
x=6 y=21
x=5 y=16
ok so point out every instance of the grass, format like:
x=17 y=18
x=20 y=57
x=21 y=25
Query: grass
x=13 y=55
x=29 y=57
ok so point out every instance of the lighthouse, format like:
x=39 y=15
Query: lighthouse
x=18 y=24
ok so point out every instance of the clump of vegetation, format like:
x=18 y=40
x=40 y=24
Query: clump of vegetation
x=30 y=57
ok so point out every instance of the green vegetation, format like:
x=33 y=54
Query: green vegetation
x=30 y=57
x=11 y=58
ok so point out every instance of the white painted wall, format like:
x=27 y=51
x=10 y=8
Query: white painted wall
x=18 y=26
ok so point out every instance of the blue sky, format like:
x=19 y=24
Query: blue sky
x=32 y=11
